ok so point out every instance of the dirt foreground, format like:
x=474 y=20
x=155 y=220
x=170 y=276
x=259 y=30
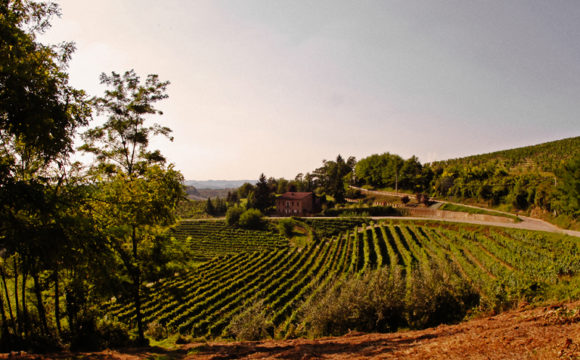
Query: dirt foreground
x=551 y=332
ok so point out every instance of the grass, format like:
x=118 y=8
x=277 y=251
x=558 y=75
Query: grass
x=470 y=210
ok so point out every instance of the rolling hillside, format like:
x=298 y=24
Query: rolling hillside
x=545 y=157
x=502 y=267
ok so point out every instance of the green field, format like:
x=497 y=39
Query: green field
x=205 y=239
x=504 y=266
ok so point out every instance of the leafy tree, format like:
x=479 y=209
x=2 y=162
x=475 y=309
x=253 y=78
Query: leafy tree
x=233 y=215
x=386 y=169
x=568 y=190
x=283 y=186
x=39 y=115
x=137 y=193
x=251 y=219
x=39 y=111
x=410 y=174
x=245 y=190
x=334 y=176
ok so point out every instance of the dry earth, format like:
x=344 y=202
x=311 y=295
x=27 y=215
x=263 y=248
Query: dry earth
x=550 y=332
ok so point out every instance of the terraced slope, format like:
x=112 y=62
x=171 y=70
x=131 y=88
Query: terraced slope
x=503 y=265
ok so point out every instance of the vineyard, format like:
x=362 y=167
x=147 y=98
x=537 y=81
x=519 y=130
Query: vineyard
x=206 y=239
x=503 y=265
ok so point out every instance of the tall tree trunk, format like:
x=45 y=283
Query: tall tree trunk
x=25 y=326
x=5 y=334
x=40 y=304
x=8 y=300
x=137 y=289
x=56 y=302
x=18 y=315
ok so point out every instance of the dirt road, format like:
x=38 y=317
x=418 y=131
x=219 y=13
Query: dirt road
x=527 y=222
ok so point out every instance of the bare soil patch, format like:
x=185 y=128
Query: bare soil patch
x=550 y=332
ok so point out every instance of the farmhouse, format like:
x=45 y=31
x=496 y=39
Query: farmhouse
x=297 y=204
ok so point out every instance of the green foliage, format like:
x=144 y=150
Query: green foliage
x=204 y=239
x=374 y=302
x=251 y=219
x=252 y=324
x=156 y=331
x=245 y=190
x=233 y=215
x=209 y=208
x=334 y=176
x=136 y=194
x=429 y=272
x=436 y=297
x=262 y=196
x=379 y=170
x=546 y=157
x=191 y=209
x=362 y=211
x=569 y=187
x=385 y=300
x=539 y=177
x=39 y=111
x=96 y=334
x=286 y=227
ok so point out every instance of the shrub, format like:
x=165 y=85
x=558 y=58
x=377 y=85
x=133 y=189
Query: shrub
x=374 y=302
x=251 y=219
x=434 y=298
x=380 y=301
x=233 y=215
x=252 y=324
x=363 y=211
x=156 y=331
x=286 y=227
x=95 y=335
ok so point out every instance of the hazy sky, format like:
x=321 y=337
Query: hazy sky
x=278 y=86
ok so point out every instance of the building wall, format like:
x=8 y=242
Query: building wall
x=294 y=207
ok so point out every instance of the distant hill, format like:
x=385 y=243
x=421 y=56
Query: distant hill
x=545 y=157
x=218 y=184
x=202 y=194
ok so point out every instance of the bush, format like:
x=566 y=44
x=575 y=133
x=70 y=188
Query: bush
x=363 y=211
x=95 y=335
x=156 y=331
x=252 y=324
x=251 y=219
x=286 y=227
x=353 y=194
x=380 y=301
x=233 y=215
x=374 y=302
x=435 y=298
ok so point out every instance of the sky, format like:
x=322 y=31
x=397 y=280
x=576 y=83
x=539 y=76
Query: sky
x=276 y=87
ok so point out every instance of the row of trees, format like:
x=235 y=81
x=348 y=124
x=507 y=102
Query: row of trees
x=332 y=178
x=80 y=234
x=482 y=180
x=489 y=181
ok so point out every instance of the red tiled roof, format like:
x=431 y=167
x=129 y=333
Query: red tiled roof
x=294 y=195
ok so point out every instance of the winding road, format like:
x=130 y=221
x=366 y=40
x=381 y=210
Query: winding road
x=527 y=223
